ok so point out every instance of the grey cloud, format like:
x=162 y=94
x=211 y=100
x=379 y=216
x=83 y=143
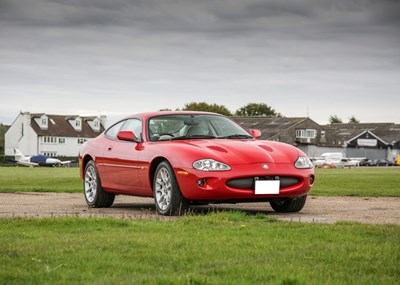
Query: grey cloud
x=169 y=52
x=61 y=13
x=276 y=9
x=387 y=13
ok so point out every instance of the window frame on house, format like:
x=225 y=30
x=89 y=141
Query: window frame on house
x=49 y=140
x=306 y=133
x=49 y=153
x=81 y=140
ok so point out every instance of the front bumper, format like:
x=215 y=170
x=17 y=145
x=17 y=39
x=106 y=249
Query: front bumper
x=238 y=183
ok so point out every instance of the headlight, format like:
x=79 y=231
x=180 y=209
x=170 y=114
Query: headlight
x=210 y=165
x=303 y=162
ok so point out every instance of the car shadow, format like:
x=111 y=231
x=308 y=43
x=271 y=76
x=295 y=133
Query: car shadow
x=199 y=210
x=135 y=206
x=208 y=209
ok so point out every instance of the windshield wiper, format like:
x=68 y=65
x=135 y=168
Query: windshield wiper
x=237 y=136
x=193 y=137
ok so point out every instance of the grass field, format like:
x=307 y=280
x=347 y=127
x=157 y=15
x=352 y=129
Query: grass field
x=372 y=181
x=40 y=179
x=219 y=248
x=381 y=181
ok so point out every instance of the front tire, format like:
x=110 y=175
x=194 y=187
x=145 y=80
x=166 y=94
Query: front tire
x=94 y=194
x=167 y=194
x=289 y=205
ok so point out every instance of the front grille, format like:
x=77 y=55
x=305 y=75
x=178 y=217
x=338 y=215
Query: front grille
x=249 y=182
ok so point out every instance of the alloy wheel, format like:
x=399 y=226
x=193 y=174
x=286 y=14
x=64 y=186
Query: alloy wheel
x=163 y=189
x=90 y=184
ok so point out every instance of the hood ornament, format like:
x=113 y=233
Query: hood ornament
x=265 y=166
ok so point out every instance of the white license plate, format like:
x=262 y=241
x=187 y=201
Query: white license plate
x=267 y=187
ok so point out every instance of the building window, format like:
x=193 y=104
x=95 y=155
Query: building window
x=61 y=140
x=44 y=121
x=95 y=124
x=78 y=123
x=305 y=134
x=49 y=140
x=49 y=153
x=81 y=141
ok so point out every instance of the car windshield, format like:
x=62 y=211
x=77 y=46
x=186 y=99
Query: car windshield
x=193 y=126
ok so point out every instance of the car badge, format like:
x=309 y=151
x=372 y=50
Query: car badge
x=264 y=166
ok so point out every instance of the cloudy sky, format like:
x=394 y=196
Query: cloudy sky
x=92 y=57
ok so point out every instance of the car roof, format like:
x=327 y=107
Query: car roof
x=147 y=115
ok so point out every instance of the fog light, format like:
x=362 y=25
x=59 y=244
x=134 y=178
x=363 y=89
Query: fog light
x=312 y=178
x=201 y=182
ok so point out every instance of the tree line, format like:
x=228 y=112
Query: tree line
x=249 y=110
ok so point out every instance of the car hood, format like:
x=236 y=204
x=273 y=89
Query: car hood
x=235 y=151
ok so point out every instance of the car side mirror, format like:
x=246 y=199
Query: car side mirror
x=127 y=136
x=255 y=133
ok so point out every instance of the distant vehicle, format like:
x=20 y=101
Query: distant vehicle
x=332 y=156
x=38 y=160
x=327 y=159
x=384 y=162
x=365 y=162
x=372 y=162
x=335 y=160
x=348 y=162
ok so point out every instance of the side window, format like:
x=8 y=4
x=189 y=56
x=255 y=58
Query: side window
x=113 y=131
x=133 y=125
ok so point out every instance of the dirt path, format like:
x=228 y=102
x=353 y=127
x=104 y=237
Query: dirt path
x=382 y=210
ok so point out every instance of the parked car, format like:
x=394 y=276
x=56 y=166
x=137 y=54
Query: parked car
x=347 y=162
x=186 y=158
x=364 y=162
x=384 y=162
x=368 y=162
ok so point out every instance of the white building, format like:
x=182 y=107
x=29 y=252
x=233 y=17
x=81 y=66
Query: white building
x=52 y=135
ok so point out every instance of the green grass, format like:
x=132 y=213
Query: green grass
x=373 y=182
x=219 y=248
x=39 y=179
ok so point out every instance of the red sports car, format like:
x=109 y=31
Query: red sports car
x=184 y=158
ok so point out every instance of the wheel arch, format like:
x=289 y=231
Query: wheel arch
x=85 y=161
x=153 y=166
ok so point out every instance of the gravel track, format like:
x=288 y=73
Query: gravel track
x=318 y=209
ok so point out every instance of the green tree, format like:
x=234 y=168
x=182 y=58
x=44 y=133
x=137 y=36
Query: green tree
x=203 y=106
x=353 y=120
x=334 y=119
x=3 y=130
x=257 y=109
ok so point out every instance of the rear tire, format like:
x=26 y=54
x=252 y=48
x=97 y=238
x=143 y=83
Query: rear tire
x=167 y=194
x=94 y=194
x=288 y=205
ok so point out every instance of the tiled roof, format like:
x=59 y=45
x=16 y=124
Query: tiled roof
x=388 y=132
x=269 y=126
x=335 y=134
x=58 y=125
